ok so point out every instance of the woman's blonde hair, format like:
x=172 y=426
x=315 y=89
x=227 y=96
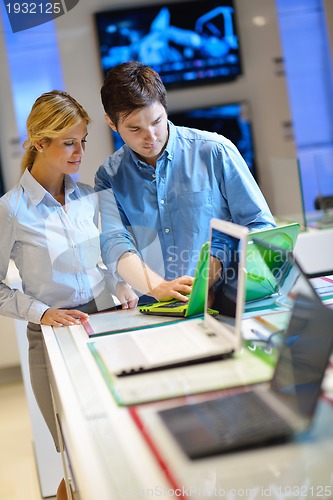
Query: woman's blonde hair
x=51 y=115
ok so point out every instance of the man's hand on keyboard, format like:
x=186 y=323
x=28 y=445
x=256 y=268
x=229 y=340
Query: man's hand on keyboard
x=175 y=289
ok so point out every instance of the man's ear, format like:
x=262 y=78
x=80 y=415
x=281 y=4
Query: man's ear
x=110 y=123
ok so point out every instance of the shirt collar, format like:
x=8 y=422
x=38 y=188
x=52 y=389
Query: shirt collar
x=36 y=192
x=71 y=186
x=171 y=141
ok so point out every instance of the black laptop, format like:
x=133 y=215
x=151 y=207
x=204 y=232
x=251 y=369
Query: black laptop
x=264 y=414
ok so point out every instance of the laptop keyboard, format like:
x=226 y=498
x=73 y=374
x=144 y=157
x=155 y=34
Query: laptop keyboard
x=171 y=305
x=240 y=416
x=225 y=424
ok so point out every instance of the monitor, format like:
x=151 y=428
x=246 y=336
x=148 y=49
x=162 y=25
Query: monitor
x=188 y=43
x=230 y=120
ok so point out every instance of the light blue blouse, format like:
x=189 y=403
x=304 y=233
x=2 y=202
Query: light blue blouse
x=163 y=214
x=55 y=248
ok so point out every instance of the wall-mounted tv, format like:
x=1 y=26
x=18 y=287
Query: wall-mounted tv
x=231 y=120
x=188 y=43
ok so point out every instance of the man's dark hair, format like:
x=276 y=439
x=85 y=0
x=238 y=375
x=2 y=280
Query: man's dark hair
x=131 y=86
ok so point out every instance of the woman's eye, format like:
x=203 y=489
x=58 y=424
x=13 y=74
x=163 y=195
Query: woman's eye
x=69 y=143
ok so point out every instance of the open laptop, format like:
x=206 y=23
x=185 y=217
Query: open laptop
x=259 y=281
x=284 y=237
x=195 y=339
x=196 y=301
x=264 y=414
x=256 y=278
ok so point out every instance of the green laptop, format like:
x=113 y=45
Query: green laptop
x=196 y=302
x=260 y=281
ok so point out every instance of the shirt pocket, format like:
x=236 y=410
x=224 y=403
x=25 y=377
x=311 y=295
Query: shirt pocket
x=88 y=243
x=196 y=210
x=89 y=233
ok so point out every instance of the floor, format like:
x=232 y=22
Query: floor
x=18 y=474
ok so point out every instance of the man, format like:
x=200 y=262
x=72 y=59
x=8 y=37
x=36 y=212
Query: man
x=159 y=191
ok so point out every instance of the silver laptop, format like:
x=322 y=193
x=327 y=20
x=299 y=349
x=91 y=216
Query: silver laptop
x=266 y=414
x=189 y=341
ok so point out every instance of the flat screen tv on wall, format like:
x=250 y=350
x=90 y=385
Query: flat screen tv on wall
x=232 y=120
x=188 y=43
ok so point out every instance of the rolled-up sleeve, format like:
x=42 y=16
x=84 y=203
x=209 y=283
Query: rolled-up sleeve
x=115 y=238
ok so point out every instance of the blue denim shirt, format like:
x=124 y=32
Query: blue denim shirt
x=55 y=248
x=163 y=214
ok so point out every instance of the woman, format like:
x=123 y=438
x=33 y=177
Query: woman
x=48 y=226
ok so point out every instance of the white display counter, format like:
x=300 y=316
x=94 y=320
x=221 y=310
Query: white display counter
x=111 y=459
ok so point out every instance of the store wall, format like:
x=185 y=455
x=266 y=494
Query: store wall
x=308 y=67
x=328 y=5
x=263 y=85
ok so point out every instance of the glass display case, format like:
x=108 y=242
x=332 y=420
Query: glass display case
x=303 y=189
x=287 y=203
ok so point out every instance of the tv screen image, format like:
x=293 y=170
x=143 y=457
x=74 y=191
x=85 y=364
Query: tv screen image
x=188 y=43
x=232 y=120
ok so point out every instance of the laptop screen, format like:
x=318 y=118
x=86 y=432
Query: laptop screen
x=226 y=283
x=304 y=355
